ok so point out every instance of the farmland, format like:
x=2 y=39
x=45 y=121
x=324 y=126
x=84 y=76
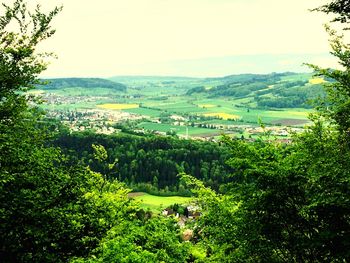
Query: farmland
x=193 y=106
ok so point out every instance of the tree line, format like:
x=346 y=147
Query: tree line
x=151 y=163
x=54 y=84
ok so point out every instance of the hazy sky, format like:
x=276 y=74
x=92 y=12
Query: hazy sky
x=130 y=37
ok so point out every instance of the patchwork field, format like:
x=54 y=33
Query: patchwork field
x=205 y=105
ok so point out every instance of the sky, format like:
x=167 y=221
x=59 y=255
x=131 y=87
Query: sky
x=183 y=37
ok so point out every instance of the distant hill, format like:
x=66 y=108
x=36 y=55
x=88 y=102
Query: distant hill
x=141 y=80
x=151 y=78
x=275 y=90
x=60 y=83
x=250 y=77
x=158 y=83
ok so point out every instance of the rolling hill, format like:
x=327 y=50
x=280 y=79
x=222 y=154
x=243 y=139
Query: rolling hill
x=59 y=83
x=275 y=90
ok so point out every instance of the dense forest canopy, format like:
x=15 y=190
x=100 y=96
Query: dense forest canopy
x=62 y=197
x=152 y=163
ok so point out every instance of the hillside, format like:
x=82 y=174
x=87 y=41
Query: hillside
x=143 y=79
x=59 y=83
x=275 y=90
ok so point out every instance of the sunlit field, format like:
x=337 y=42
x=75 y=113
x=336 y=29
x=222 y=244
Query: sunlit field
x=317 y=81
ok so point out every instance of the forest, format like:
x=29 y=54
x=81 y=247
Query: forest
x=51 y=84
x=64 y=196
x=151 y=163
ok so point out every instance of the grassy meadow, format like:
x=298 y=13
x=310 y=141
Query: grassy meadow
x=157 y=203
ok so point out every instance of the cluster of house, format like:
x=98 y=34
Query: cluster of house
x=54 y=99
x=191 y=212
x=92 y=119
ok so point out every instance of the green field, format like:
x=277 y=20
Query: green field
x=248 y=114
x=157 y=203
x=180 y=107
x=145 y=111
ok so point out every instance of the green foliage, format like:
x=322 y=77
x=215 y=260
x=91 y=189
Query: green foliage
x=216 y=228
x=271 y=190
x=156 y=240
x=142 y=158
x=336 y=106
x=19 y=62
x=51 y=208
x=286 y=204
x=100 y=153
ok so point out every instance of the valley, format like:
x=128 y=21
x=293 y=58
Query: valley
x=199 y=108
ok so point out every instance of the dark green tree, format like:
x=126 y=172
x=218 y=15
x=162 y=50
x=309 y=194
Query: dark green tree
x=156 y=240
x=292 y=200
x=51 y=208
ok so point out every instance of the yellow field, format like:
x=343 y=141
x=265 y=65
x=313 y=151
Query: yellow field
x=317 y=81
x=206 y=105
x=223 y=115
x=117 y=106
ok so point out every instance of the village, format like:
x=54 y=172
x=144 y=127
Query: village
x=78 y=117
x=109 y=121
